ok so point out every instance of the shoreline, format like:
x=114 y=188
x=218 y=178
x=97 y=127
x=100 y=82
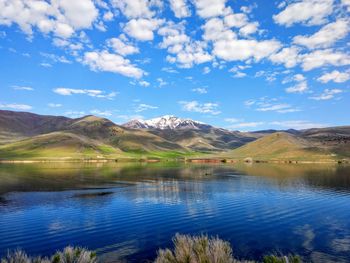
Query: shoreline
x=180 y=160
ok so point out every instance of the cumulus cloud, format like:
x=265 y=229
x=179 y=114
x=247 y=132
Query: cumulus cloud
x=292 y=56
x=142 y=29
x=184 y=51
x=320 y=58
x=90 y=92
x=143 y=107
x=243 y=49
x=15 y=106
x=326 y=36
x=288 y=56
x=300 y=85
x=327 y=94
x=144 y=83
x=210 y=8
x=136 y=8
x=105 y=61
x=334 y=76
x=180 y=8
x=195 y=106
x=59 y=17
x=121 y=46
x=308 y=12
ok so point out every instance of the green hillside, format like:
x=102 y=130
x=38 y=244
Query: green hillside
x=282 y=146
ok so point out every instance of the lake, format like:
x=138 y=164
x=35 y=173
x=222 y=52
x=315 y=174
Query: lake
x=125 y=212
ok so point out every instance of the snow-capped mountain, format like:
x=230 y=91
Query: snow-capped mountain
x=167 y=122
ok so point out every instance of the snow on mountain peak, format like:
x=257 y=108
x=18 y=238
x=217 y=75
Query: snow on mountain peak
x=166 y=122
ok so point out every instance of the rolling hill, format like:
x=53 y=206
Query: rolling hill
x=288 y=147
x=31 y=136
x=27 y=135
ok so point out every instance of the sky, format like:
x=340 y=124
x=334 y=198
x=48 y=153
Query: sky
x=240 y=65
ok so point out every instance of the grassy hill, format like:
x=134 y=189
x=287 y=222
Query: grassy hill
x=207 y=140
x=86 y=137
x=283 y=146
x=31 y=136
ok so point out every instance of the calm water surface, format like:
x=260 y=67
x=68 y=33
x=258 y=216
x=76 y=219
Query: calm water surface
x=126 y=212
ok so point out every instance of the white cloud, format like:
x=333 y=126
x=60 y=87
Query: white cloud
x=288 y=56
x=144 y=83
x=265 y=104
x=195 y=106
x=143 y=107
x=327 y=94
x=249 y=29
x=210 y=8
x=236 y=20
x=135 y=8
x=326 y=36
x=334 y=76
x=75 y=114
x=54 y=105
x=206 y=70
x=169 y=70
x=161 y=82
x=15 y=106
x=243 y=49
x=246 y=125
x=121 y=46
x=15 y=87
x=180 y=8
x=324 y=57
x=300 y=87
x=232 y=120
x=184 y=51
x=59 y=17
x=142 y=29
x=105 y=61
x=56 y=58
x=200 y=90
x=46 y=65
x=90 y=92
x=239 y=74
x=309 y=12
x=281 y=108
x=105 y=113
x=297 y=124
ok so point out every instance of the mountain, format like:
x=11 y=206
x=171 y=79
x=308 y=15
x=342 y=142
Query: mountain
x=287 y=146
x=194 y=135
x=30 y=135
x=26 y=135
x=166 y=122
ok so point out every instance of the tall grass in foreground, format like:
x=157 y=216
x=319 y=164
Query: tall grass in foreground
x=202 y=249
x=68 y=255
x=187 y=249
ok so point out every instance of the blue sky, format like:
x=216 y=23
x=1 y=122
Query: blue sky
x=241 y=65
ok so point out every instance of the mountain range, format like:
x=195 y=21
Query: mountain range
x=26 y=135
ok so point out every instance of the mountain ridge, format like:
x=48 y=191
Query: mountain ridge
x=29 y=135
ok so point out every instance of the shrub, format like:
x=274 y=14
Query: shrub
x=200 y=249
x=68 y=255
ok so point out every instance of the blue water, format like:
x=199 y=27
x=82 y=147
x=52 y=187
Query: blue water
x=127 y=212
